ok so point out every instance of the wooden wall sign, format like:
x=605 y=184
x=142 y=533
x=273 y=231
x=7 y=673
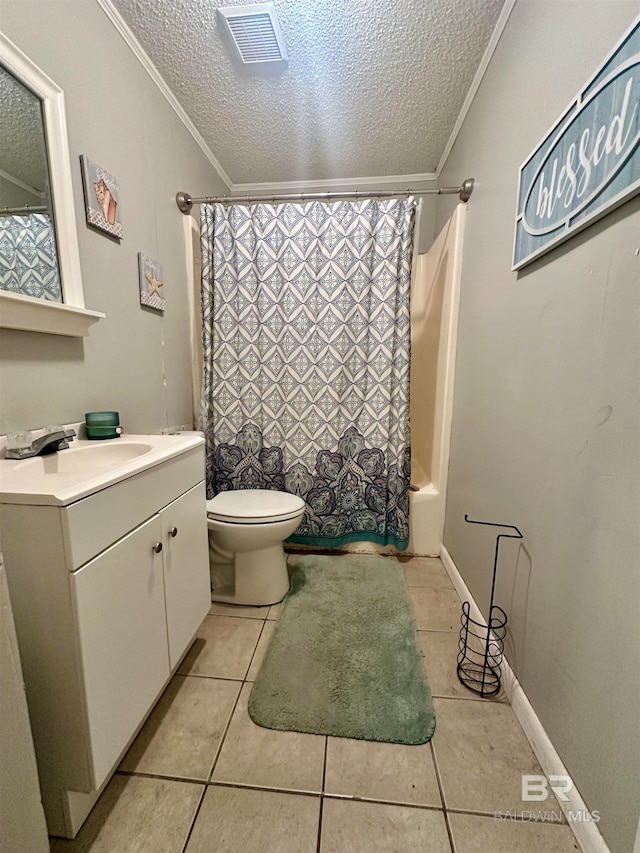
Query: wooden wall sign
x=589 y=162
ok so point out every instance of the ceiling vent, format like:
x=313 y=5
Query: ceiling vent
x=255 y=32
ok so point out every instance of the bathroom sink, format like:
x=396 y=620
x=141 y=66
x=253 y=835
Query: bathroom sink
x=85 y=458
x=86 y=467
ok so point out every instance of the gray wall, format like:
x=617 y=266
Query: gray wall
x=546 y=421
x=119 y=119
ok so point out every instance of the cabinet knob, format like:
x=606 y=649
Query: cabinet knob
x=173 y=532
x=157 y=547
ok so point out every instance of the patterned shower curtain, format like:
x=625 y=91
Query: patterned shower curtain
x=306 y=338
x=28 y=258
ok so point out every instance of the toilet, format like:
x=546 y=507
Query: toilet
x=246 y=530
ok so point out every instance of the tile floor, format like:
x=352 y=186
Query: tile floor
x=201 y=777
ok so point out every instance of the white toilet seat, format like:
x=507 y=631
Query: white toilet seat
x=254 y=506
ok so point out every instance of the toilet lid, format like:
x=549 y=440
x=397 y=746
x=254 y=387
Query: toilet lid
x=254 y=506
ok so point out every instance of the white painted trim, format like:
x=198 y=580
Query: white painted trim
x=586 y=833
x=12 y=310
x=39 y=315
x=123 y=28
x=382 y=182
x=475 y=85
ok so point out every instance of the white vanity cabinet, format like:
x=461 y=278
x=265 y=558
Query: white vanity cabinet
x=108 y=593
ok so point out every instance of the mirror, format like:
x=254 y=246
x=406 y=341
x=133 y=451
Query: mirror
x=28 y=253
x=40 y=280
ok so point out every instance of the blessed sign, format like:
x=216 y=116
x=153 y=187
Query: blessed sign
x=589 y=162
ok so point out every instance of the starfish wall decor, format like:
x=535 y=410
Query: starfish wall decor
x=151 y=279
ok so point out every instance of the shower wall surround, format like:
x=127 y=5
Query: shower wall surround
x=546 y=419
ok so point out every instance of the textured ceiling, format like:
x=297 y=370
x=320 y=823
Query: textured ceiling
x=22 y=147
x=372 y=88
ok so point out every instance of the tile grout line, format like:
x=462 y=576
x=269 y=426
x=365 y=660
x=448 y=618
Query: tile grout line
x=224 y=735
x=233 y=710
x=354 y=798
x=449 y=829
x=244 y=680
x=324 y=765
x=247 y=786
x=503 y=701
x=195 y=818
x=324 y=777
x=239 y=616
x=442 y=797
x=166 y=777
x=211 y=677
x=319 y=842
x=222 y=783
x=451 y=631
x=442 y=588
x=514 y=817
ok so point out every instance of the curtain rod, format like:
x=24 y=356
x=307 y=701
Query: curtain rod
x=13 y=211
x=185 y=202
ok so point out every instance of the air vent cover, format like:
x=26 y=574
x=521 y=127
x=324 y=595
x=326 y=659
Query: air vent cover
x=255 y=32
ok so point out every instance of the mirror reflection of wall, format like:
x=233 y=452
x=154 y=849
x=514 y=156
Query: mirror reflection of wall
x=28 y=254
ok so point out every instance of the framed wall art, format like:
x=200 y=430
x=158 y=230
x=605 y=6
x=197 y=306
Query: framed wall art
x=101 y=198
x=151 y=280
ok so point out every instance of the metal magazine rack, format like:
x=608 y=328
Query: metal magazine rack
x=481 y=646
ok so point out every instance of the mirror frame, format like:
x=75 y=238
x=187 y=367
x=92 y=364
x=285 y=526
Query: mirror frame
x=17 y=311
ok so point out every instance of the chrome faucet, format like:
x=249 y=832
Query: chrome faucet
x=50 y=442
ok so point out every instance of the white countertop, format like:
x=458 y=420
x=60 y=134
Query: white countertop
x=59 y=480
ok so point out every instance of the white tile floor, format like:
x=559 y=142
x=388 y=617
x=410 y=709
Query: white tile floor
x=201 y=777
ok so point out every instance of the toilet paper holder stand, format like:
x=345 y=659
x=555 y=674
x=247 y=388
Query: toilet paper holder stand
x=481 y=644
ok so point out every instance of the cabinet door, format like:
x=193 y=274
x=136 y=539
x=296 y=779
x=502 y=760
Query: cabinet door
x=122 y=640
x=186 y=568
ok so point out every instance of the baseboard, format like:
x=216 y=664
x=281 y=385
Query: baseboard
x=586 y=833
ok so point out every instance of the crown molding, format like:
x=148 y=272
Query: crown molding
x=123 y=28
x=347 y=184
x=475 y=85
x=382 y=182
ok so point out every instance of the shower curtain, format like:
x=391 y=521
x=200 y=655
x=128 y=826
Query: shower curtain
x=28 y=259
x=306 y=339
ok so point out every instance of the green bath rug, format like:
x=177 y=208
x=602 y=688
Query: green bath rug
x=344 y=658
